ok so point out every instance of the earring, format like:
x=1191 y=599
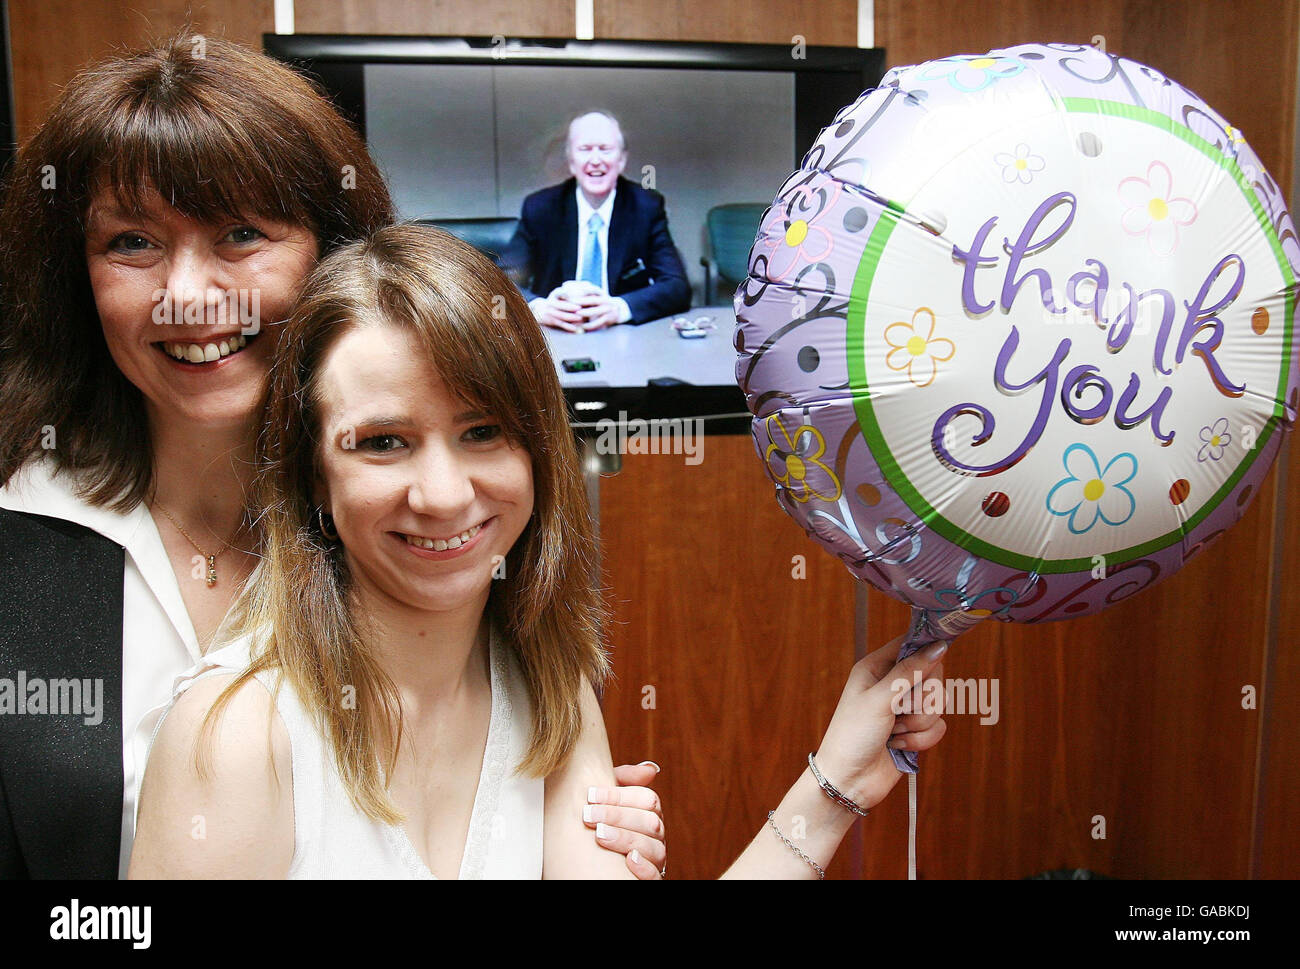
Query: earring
x=327 y=524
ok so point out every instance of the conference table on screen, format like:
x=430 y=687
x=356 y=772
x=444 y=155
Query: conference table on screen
x=630 y=356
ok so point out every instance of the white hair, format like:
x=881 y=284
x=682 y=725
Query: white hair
x=568 y=137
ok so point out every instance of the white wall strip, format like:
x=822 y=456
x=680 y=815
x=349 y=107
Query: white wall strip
x=284 y=16
x=866 y=23
x=584 y=15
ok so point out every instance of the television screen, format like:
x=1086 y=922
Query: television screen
x=466 y=128
x=700 y=137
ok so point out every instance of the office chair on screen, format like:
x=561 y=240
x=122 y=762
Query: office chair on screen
x=731 y=230
x=490 y=236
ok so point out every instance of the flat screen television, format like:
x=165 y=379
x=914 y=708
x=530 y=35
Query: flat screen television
x=465 y=127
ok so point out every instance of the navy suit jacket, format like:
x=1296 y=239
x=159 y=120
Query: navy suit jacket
x=644 y=267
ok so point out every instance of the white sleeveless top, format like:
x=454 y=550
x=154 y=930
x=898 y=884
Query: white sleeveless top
x=333 y=839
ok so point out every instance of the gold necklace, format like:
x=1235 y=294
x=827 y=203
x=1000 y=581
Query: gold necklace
x=211 y=557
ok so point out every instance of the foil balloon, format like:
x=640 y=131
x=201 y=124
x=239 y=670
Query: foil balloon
x=1018 y=337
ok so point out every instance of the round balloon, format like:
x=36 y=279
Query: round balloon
x=1018 y=336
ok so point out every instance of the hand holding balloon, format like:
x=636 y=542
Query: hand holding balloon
x=855 y=757
x=856 y=753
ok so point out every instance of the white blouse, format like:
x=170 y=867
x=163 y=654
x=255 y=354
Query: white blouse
x=158 y=638
x=333 y=839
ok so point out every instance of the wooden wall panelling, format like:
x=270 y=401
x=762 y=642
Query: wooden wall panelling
x=484 y=18
x=1276 y=848
x=746 y=661
x=1239 y=55
x=912 y=31
x=830 y=22
x=51 y=40
x=1132 y=715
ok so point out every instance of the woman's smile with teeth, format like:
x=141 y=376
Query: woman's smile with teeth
x=205 y=352
x=443 y=544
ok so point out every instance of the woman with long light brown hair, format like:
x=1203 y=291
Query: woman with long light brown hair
x=420 y=649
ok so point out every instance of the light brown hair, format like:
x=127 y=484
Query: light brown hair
x=483 y=341
x=218 y=131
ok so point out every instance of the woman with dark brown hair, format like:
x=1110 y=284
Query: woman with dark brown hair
x=158 y=227
x=429 y=591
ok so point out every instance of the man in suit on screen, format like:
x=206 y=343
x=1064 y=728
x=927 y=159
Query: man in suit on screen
x=596 y=250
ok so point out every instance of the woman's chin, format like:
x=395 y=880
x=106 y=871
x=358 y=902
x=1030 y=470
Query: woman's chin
x=448 y=593
x=448 y=597
x=233 y=408
x=220 y=394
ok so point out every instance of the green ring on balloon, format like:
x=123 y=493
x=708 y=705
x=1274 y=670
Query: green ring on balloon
x=856 y=350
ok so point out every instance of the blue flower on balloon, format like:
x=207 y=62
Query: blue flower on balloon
x=1091 y=492
x=1215 y=438
x=971 y=74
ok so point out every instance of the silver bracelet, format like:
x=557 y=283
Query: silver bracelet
x=771 y=819
x=843 y=801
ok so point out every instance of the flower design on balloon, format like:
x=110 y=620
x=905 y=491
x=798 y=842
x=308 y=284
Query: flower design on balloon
x=1021 y=166
x=803 y=240
x=1152 y=210
x=800 y=471
x=971 y=74
x=1092 y=492
x=1216 y=438
x=917 y=352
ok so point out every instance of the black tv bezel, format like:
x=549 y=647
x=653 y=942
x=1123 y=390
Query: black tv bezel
x=335 y=61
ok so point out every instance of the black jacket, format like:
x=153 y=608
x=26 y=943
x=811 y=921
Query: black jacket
x=60 y=779
x=644 y=267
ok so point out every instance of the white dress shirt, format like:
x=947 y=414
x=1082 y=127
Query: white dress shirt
x=158 y=639
x=606 y=212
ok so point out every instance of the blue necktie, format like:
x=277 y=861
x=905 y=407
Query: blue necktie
x=591 y=265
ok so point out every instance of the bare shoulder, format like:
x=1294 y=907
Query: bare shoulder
x=570 y=849
x=590 y=753
x=246 y=737
x=217 y=802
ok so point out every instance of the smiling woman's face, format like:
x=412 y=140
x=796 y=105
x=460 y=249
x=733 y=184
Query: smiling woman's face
x=425 y=490
x=190 y=309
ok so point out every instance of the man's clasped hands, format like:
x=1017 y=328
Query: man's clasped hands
x=578 y=307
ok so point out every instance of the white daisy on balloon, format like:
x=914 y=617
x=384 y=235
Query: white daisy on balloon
x=1215 y=438
x=1020 y=166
